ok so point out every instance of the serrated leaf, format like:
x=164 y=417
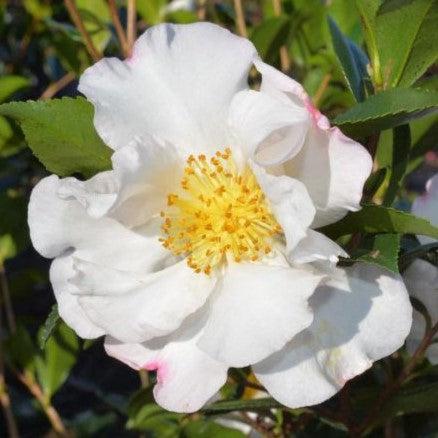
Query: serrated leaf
x=381 y=250
x=352 y=60
x=209 y=429
x=61 y=134
x=386 y=110
x=378 y=219
x=49 y=326
x=222 y=407
x=270 y=35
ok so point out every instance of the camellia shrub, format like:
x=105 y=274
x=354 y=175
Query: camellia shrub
x=237 y=211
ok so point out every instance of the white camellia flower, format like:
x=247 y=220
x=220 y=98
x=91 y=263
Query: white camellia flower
x=421 y=277
x=198 y=251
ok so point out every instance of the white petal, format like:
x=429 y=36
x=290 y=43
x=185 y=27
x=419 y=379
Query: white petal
x=290 y=204
x=333 y=167
x=270 y=130
x=178 y=85
x=316 y=247
x=362 y=314
x=96 y=195
x=186 y=377
x=138 y=307
x=68 y=307
x=148 y=171
x=57 y=225
x=421 y=279
x=427 y=206
x=255 y=311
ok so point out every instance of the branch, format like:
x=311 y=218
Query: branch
x=285 y=61
x=77 y=20
x=240 y=19
x=131 y=27
x=119 y=28
x=57 y=86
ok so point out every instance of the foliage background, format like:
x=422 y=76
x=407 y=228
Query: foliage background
x=370 y=65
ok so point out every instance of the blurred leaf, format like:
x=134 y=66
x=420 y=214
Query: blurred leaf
x=269 y=36
x=154 y=419
x=151 y=10
x=381 y=250
x=37 y=8
x=59 y=356
x=21 y=351
x=6 y=132
x=181 y=17
x=89 y=425
x=400 y=159
x=47 y=329
x=353 y=61
x=61 y=134
x=379 y=219
x=374 y=182
x=209 y=429
x=386 y=110
x=255 y=405
x=10 y=84
x=420 y=251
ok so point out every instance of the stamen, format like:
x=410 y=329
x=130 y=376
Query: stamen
x=220 y=213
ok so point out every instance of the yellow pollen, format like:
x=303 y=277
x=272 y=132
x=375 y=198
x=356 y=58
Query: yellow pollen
x=221 y=213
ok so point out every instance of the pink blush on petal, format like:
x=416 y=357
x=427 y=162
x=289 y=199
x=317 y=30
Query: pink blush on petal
x=320 y=120
x=160 y=368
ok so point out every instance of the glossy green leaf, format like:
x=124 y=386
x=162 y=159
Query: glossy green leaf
x=49 y=326
x=59 y=356
x=380 y=219
x=10 y=84
x=255 y=405
x=209 y=429
x=270 y=35
x=61 y=134
x=387 y=110
x=352 y=60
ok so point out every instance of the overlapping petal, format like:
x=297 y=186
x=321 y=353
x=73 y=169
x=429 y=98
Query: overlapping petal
x=177 y=85
x=362 y=314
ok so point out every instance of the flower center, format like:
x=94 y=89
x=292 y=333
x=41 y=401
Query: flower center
x=219 y=213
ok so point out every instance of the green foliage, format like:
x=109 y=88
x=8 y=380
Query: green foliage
x=61 y=134
x=209 y=429
x=49 y=326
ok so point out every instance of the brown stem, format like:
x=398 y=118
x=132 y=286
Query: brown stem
x=240 y=18
x=51 y=413
x=321 y=89
x=285 y=61
x=131 y=26
x=57 y=86
x=6 y=294
x=202 y=10
x=397 y=383
x=144 y=378
x=119 y=28
x=78 y=22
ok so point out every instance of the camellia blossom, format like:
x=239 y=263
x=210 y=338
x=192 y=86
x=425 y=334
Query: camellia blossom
x=198 y=251
x=421 y=277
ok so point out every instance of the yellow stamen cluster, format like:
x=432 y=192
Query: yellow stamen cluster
x=218 y=213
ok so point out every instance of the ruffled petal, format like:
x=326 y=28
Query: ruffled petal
x=186 y=377
x=290 y=204
x=57 y=225
x=269 y=130
x=362 y=314
x=316 y=247
x=256 y=310
x=427 y=206
x=138 y=307
x=421 y=279
x=333 y=167
x=177 y=85
x=68 y=307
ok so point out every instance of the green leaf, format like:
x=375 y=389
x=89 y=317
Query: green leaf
x=49 y=326
x=381 y=250
x=222 y=407
x=209 y=429
x=352 y=60
x=60 y=355
x=387 y=110
x=61 y=134
x=421 y=251
x=21 y=351
x=379 y=219
x=270 y=35
x=10 y=84
x=400 y=159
